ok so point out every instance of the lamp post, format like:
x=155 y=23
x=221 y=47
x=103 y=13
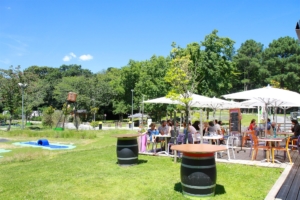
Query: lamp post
x=23 y=86
x=132 y=109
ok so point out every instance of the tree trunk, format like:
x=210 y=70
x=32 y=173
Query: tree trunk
x=9 y=124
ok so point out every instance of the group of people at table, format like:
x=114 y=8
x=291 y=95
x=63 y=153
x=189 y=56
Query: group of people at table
x=272 y=142
x=189 y=132
x=271 y=127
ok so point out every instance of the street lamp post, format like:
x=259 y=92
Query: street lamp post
x=23 y=86
x=132 y=109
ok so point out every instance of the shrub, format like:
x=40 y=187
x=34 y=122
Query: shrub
x=94 y=124
x=36 y=118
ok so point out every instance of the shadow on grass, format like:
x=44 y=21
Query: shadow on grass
x=218 y=191
x=140 y=161
x=35 y=128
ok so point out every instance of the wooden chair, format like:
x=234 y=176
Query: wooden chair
x=256 y=146
x=246 y=137
x=285 y=149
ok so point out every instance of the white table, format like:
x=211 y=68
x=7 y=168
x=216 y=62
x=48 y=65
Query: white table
x=213 y=137
x=166 y=143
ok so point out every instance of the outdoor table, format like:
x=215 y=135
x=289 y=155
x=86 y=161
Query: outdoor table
x=198 y=169
x=285 y=133
x=166 y=144
x=213 y=137
x=127 y=149
x=270 y=140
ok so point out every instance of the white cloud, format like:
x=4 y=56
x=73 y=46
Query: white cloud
x=69 y=57
x=86 y=57
x=7 y=8
x=73 y=55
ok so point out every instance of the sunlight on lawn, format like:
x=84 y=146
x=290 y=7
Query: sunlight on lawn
x=90 y=172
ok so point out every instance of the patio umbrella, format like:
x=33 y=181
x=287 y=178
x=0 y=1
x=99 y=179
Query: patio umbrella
x=268 y=96
x=138 y=115
x=196 y=101
x=283 y=106
x=196 y=98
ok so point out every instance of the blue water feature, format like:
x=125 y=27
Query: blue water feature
x=45 y=144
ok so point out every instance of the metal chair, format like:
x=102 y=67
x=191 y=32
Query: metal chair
x=230 y=144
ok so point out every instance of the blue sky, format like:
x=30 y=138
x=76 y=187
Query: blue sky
x=98 y=34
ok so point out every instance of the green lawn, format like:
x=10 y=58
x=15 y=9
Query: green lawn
x=90 y=172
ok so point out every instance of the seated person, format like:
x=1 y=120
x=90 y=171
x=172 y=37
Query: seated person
x=196 y=125
x=217 y=127
x=163 y=130
x=152 y=131
x=254 y=127
x=295 y=129
x=188 y=131
x=205 y=127
x=269 y=124
x=211 y=128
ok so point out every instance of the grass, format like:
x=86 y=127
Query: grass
x=90 y=172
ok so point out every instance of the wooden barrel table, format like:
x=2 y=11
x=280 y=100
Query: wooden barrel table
x=127 y=149
x=198 y=169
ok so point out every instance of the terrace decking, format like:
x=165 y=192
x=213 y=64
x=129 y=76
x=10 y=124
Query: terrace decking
x=290 y=187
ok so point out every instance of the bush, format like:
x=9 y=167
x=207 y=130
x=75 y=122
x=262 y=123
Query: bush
x=94 y=124
x=36 y=118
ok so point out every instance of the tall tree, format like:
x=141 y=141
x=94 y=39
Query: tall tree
x=182 y=78
x=11 y=93
x=248 y=61
x=152 y=84
x=216 y=70
x=282 y=63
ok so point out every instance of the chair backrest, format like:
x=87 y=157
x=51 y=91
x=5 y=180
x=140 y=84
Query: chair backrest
x=230 y=141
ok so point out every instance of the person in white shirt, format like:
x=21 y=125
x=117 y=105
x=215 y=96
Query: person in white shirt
x=217 y=127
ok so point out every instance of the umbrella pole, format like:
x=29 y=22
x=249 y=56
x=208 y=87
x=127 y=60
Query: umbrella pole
x=201 y=127
x=284 y=118
x=175 y=140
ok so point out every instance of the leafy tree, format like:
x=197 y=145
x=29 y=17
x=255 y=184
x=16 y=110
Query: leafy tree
x=79 y=85
x=49 y=77
x=248 y=61
x=182 y=79
x=47 y=116
x=216 y=69
x=74 y=70
x=10 y=91
x=153 y=85
x=282 y=63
